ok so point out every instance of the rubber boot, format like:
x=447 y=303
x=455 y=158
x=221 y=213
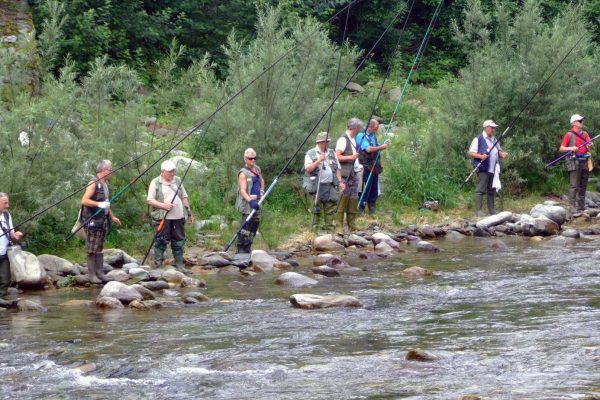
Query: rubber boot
x=100 y=268
x=91 y=264
x=490 y=203
x=372 y=208
x=159 y=256
x=352 y=213
x=179 y=264
x=343 y=205
x=479 y=204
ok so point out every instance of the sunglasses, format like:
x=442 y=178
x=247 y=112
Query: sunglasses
x=251 y=158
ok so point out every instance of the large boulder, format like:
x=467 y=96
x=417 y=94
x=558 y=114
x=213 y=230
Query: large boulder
x=313 y=301
x=120 y=291
x=327 y=243
x=556 y=213
x=34 y=275
x=424 y=246
x=145 y=292
x=117 y=257
x=139 y=273
x=493 y=220
x=383 y=247
x=28 y=305
x=108 y=303
x=540 y=226
x=173 y=276
x=57 y=266
x=155 y=285
x=295 y=280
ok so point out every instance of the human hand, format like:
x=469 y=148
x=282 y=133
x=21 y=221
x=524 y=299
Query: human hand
x=387 y=142
x=483 y=157
x=115 y=220
x=342 y=186
x=17 y=235
x=254 y=205
x=321 y=158
x=104 y=205
x=190 y=219
x=167 y=206
x=503 y=154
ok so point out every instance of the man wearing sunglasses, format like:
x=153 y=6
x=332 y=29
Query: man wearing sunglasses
x=251 y=186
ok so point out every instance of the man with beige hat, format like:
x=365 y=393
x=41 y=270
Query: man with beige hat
x=486 y=153
x=322 y=178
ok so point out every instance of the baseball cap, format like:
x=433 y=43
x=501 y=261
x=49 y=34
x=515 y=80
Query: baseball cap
x=576 y=117
x=489 y=122
x=168 y=166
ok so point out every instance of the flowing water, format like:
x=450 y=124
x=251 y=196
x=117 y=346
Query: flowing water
x=521 y=322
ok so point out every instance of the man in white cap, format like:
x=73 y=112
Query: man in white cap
x=95 y=209
x=169 y=202
x=486 y=155
x=322 y=172
x=577 y=164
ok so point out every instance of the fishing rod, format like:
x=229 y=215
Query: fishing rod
x=199 y=125
x=550 y=164
x=161 y=224
x=385 y=78
x=315 y=126
x=407 y=82
x=316 y=211
x=512 y=123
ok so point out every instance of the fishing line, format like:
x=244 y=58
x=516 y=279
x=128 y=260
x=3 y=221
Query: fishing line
x=322 y=116
x=413 y=68
x=512 y=123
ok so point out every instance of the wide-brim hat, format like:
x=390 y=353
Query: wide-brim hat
x=323 y=137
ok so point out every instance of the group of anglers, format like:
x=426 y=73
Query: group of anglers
x=335 y=177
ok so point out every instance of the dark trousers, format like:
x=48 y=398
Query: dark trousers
x=326 y=204
x=173 y=232
x=4 y=275
x=484 y=186
x=578 y=180
x=370 y=189
x=246 y=236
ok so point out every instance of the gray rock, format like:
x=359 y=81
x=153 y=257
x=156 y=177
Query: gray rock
x=264 y=262
x=497 y=245
x=57 y=265
x=394 y=94
x=571 y=233
x=379 y=237
x=77 y=303
x=199 y=297
x=354 y=87
x=173 y=276
x=120 y=291
x=313 y=301
x=426 y=232
x=139 y=273
x=155 y=285
x=555 y=213
x=138 y=305
x=170 y=293
x=330 y=260
x=190 y=300
x=28 y=305
x=35 y=274
x=150 y=121
x=108 y=303
x=188 y=282
x=118 y=275
x=326 y=271
x=81 y=280
x=117 y=258
x=295 y=280
x=128 y=266
x=454 y=236
x=493 y=220
x=424 y=246
x=355 y=240
x=236 y=285
x=383 y=247
x=327 y=243
x=153 y=304
x=230 y=269
x=145 y=292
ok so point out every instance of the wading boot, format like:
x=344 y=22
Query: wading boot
x=479 y=204
x=340 y=214
x=372 y=208
x=159 y=256
x=179 y=264
x=91 y=264
x=490 y=203
x=352 y=213
x=100 y=268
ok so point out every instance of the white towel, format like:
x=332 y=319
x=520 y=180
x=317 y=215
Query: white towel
x=496 y=182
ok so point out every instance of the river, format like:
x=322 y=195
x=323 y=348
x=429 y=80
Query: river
x=520 y=321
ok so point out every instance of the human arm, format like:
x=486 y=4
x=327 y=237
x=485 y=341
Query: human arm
x=310 y=166
x=564 y=146
x=151 y=198
x=473 y=151
x=14 y=235
x=186 y=204
x=339 y=150
x=338 y=174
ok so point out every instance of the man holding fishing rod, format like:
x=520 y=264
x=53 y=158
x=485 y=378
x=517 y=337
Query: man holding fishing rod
x=579 y=164
x=170 y=209
x=371 y=161
x=251 y=187
x=95 y=209
x=322 y=178
x=486 y=154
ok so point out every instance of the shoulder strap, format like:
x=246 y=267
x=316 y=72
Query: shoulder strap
x=571 y=139
x=6 y=230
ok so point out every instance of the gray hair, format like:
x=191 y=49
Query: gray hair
x=372 y=121
x=249 y=152
x=354 y=123
x=2 y=194
x=102 y=165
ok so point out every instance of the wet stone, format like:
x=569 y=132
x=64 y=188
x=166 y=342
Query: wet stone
x=120 y=291
x=295 y=280
x=138 y=305
x=326 y=271
x=416 y=272
x=197 y=295
x=118 y=275
x=170 y=293
x=419 y=355
x=28 y=305
x=77 y=303
x=155 y=285
x=571 y=233
x=312 y=301
x=108 y=303
x=145 y=292
x=236 y=285
x=424 y=246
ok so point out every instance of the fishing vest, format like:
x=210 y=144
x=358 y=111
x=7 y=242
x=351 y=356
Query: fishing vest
x=482 y=149
x=158 y=214
x=310 y=181
x=240 y=204
x=571 y=161
x=6 y=229
x=347 y=166
x=368 y=160
x=100 y=217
